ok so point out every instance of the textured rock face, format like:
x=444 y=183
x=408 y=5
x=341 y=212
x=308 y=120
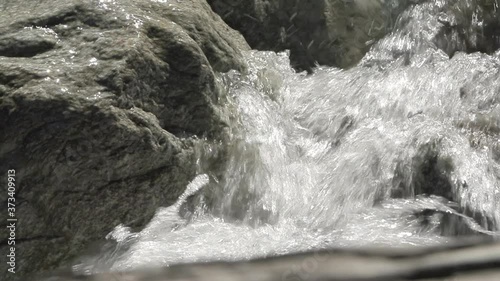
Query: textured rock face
x=328 y=32
x=96 y=99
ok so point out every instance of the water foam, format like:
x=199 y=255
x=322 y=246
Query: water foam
x=317 y=161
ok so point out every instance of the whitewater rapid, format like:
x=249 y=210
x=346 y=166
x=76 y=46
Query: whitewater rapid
x=340 y=158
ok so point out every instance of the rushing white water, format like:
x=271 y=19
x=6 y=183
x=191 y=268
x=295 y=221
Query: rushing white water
x=342 y=158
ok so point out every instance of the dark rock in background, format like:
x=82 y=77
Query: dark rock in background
x=326 y=32
x=98 y=101
x=451 y=26
x=469 y=26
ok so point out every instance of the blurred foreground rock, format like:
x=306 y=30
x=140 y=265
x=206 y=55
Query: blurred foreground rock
x=472 y=262
x=98 y=101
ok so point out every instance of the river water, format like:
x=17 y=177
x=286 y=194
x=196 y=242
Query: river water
x=399 y=151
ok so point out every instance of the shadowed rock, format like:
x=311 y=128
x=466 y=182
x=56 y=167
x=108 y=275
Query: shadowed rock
x=326 y=32
x=26 y=43
x=430 y=172
x=469 y=26
x=451 y=26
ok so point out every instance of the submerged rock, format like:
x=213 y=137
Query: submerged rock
x=469 y=26
x=325 y=32
x=430 y=172
x=96 y=98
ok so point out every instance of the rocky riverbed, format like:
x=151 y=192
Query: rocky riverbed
x=109 y=108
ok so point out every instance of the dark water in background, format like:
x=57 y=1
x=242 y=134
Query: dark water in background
x=390 y=153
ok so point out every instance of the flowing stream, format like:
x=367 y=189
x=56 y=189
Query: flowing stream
x=401 y=150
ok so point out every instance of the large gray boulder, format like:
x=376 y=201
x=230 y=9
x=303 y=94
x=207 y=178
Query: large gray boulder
x=98 y=103
x=327 y=32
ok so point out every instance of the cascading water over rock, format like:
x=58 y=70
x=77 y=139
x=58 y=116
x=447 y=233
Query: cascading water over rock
x=402 y=149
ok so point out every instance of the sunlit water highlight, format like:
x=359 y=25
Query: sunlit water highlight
x=331 y=159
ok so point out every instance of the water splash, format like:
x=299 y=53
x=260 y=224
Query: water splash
x=400 y=150
x=165 y=220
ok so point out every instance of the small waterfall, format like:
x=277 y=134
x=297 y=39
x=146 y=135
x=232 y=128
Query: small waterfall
x=401 y=150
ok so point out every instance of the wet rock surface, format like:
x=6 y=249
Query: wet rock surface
x=98 y=103
x=100 y=100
